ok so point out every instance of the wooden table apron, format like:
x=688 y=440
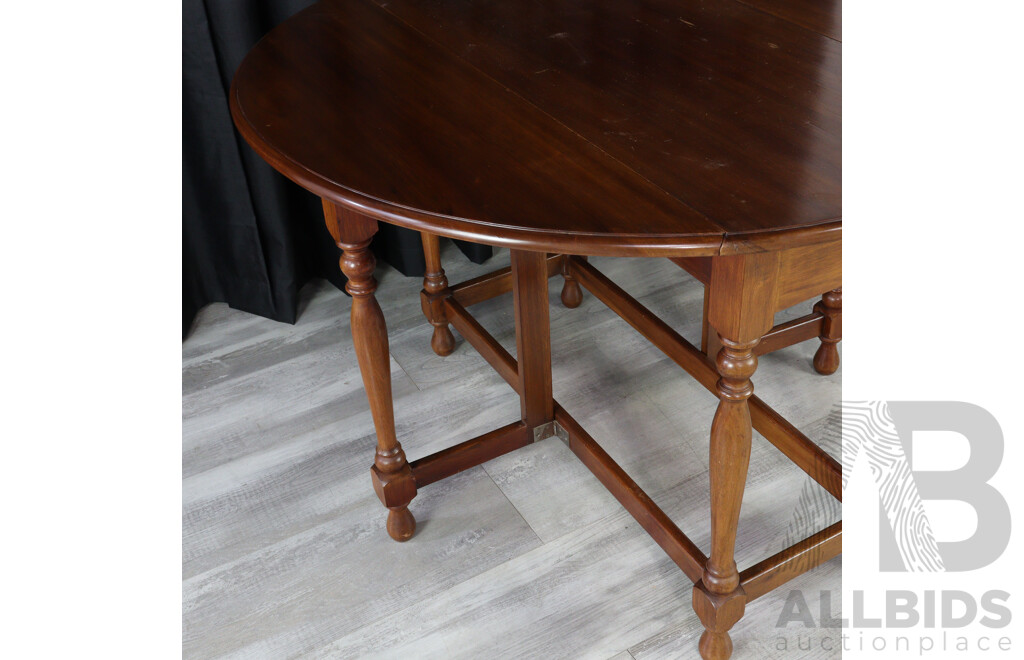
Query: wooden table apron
x=553 y=197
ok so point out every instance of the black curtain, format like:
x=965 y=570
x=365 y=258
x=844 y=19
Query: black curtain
x=250 y=237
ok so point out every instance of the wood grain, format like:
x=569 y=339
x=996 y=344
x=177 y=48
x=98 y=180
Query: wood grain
x=807 y=272
x=361 y=109
x=822 y=16
x=732 y=110
x=624 y=128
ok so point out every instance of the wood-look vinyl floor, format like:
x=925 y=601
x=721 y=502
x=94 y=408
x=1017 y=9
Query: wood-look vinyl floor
x=284 y=549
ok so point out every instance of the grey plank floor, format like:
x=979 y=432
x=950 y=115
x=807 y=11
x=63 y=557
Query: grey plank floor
x=284 y=548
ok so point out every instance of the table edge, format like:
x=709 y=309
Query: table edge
x=514 y=237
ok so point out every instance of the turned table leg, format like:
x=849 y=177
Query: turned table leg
x=391 y=475
x=572 y=294
x=718 y=599
x=741 y=307
x=826 y=360
x=435 y=290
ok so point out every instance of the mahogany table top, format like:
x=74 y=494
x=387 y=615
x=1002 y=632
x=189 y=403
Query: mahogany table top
x=619 y=127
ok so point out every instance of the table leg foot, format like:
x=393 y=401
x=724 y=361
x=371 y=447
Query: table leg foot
x=401 y=523
x=443 y=341
x=435 y=290
x=718 y=613
x=572 y=294
x=715 y=646
x=396 y=487
x=826 y=359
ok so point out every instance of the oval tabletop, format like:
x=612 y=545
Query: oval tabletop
x=685 y=127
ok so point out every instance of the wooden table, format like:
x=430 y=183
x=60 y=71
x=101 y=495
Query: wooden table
x=705 y=131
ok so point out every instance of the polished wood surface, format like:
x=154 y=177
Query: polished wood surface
x=807 y=272
x=698 y=130
x=625 y=128
x=731 y=110
x=822 y=16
